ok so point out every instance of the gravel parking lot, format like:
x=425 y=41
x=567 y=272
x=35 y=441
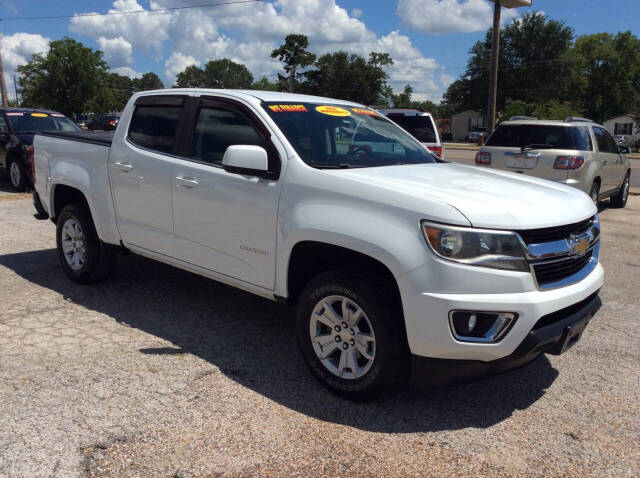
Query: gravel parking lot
x=159 y=372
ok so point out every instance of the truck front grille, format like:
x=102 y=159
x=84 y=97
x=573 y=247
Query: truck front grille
x=548 y=234
x=550 y=272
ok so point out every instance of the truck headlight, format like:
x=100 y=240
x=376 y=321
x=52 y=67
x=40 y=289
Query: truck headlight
x=476 y=247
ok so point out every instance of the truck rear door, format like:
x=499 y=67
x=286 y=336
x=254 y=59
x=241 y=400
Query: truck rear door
x=140 y=169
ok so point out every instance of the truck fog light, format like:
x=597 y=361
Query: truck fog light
x=480 y=327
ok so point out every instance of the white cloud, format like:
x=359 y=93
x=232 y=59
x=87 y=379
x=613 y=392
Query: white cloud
x=117 y=51
x=142 y=30
x=16 y=50
x=127 y=71
x=356 y=12
x=248 y=33
x=438 y=17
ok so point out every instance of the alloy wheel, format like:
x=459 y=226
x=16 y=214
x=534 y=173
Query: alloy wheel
x=74 y=244
x=342 y=337
x=15 y=174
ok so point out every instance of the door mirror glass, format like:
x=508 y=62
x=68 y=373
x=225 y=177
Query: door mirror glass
x=246 y=159
x=624 y=150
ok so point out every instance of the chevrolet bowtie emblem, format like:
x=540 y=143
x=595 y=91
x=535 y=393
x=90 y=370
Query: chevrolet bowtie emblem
x=580 y=246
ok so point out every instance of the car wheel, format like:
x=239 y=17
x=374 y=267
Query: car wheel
x=620 y=199
x=350 y=336
x=17 y=175
x=594 y=193
x=84 y=257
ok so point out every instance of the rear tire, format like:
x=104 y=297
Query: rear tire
x=357 y=347
x=594 y=193
x=84 y=257
x=620 y=199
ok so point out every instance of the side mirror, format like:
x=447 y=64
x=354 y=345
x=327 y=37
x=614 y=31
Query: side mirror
x=624 y=150
x=247 y=160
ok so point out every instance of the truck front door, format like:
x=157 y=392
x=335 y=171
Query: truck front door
x=225 y=222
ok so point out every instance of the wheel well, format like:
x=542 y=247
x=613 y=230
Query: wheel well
x=64 y=195
x=310 y=258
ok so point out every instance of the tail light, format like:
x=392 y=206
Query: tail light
x=436 y=149
x=112 y=122
x=482 y=157
x=32 y=163
x=568 y=162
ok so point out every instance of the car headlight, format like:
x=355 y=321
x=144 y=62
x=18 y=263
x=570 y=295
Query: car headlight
x=476 y=247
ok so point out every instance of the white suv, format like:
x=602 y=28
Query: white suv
x=576 y=152
x=419 y=124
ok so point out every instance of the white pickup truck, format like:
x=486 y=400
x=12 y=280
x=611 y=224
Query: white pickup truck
x=401 y=265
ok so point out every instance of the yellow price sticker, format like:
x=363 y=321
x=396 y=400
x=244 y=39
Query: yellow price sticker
x=333 y=111
x=39 y=115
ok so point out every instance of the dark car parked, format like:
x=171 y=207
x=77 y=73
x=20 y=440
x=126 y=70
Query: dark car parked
x=18 y=126
x=103 y=122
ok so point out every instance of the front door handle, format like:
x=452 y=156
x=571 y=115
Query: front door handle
x=126 y=167
x=188 y=181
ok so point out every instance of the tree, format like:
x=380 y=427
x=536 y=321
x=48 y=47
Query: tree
x=611 y=67
x=190 y=77
x=216 y=74
x=536 y=63
x=66 y=79
x=148 y=81
x=293 y=53
x=265 y=85
x=351 y=77
x=555 y=110
x=403 y=100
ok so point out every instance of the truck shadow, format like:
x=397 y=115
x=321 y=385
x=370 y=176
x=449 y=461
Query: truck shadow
x=252 y=341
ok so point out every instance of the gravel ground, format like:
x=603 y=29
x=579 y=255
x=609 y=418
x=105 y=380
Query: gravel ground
x=159 y=372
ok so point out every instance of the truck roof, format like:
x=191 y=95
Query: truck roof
x=254 y=96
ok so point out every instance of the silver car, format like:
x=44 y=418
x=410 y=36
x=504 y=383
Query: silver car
x=576 y=152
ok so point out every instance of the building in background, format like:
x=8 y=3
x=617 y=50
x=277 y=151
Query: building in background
x=622 y=125
x=465 y=122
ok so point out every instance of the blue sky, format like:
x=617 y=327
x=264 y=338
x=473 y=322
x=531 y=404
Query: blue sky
x=428 y=39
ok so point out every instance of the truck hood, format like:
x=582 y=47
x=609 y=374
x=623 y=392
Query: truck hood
x=487 y=198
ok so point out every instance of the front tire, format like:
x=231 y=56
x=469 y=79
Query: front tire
x=17 y=175
x=620 y=199
x=350 y=335
x=84 y=257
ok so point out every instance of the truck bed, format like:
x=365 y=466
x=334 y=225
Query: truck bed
x=102 y=138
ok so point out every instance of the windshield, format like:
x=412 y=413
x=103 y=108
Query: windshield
x=26 y=122
x=331 y=136
x=556 y=137
x=420 y=127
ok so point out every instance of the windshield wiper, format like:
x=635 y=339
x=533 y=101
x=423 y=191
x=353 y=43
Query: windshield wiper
x=537 y=146
x=338 y=166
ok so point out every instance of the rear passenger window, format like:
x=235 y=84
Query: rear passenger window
x=217 y=129
x=604 y=140
x=582 y=138
x=154 y=127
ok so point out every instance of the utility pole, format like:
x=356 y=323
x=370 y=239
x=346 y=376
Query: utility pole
x=3 y=86
x=495 y=55
x=493 y=74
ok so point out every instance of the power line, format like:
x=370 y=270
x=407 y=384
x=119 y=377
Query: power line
x=126 y=12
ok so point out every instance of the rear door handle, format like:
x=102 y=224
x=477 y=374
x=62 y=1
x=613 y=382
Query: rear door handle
x=188 y=181
x=126 y=167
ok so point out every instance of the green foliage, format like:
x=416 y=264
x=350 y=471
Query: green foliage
x=148 y=81
x=611 y=67
x=223 y=73
x=540 y=65
x=350 y=77
x=67 y=79
x=293 y=53
x=190 y=77
x=265 y=85
x=516 y=108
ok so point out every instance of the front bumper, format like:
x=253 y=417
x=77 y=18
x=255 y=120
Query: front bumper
x=553 y=333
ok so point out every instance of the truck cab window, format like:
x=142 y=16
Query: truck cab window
x=217 y=129
x=154 y=127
